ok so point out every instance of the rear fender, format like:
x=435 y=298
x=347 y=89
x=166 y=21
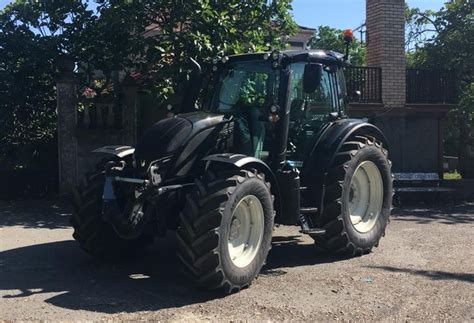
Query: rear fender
x=321 y=159
x=331 y=140
x=247 y=162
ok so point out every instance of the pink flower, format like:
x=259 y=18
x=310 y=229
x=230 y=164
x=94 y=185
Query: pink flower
x=88 y=93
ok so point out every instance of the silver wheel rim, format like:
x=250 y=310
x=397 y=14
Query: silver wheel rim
x=365 y=196
x=245 y=231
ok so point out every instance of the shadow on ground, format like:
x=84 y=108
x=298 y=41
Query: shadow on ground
x=432 y=274
x=455 y=214
x=289 y=252
x=150 y=282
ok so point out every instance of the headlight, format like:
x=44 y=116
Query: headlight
x=155 y=175
x=157 y=170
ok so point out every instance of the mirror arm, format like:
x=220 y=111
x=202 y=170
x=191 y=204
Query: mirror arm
x=346 y=55
x=348 y=38
x=196 y=64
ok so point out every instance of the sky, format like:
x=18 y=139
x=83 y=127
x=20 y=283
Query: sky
x=343 y=13
x=334 y=13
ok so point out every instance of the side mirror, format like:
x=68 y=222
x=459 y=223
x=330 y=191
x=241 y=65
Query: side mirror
x=312 y=77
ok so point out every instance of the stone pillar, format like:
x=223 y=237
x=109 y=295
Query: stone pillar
x=66 y=98
x=385 y=22
x=385 y=45
x=129 y=120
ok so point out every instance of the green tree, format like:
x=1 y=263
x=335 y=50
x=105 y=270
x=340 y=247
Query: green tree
x=445 y=40
x=329 y=38
x=113 y=38
x=205 y=29
x=30 y=42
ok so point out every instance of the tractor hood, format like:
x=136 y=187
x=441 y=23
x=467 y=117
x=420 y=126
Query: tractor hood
x=173 y=136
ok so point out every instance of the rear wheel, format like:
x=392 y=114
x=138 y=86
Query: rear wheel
x=358 y=197
x=226 y=229
x=94 y=235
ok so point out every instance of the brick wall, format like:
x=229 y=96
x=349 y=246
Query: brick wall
x=385 y=23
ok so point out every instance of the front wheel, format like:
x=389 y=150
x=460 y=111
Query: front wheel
x=226 y=229
x=95 y=236
x=358 y=197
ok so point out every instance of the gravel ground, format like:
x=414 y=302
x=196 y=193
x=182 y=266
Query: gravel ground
x=423 y=270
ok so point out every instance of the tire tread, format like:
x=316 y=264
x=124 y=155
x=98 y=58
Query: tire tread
x=198 y=236
x=336 y=238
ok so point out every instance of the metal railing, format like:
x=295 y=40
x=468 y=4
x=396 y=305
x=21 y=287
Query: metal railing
x=367 y=80
x=99 y=116
x=431 y=86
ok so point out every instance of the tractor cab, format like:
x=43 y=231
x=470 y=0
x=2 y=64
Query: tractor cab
x=269 y=92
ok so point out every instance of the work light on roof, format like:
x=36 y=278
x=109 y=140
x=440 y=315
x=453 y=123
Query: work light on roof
x=348 y=34
x=275 y=55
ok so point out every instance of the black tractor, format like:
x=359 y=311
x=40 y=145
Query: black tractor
x=270 y=145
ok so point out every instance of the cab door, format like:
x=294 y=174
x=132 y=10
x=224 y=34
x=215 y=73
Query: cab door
x=309 y=112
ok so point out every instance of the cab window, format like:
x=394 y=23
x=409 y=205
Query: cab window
x=341 y=89
x=308 y=113
x=314 y=105
x=247 y=90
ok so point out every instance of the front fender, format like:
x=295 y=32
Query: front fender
x=248 y=162
x=118 y=151
x=238 y=160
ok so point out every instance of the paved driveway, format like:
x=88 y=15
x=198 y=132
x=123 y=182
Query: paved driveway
x=423 y=270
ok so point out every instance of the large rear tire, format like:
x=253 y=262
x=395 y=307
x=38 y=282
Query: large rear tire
x=226 y=229
x=93 y=234
x=358 y=197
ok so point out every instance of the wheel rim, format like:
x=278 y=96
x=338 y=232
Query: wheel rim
x=245 y=231
x=365 y=196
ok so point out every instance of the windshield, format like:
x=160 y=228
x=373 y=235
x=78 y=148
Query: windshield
x=246 y=84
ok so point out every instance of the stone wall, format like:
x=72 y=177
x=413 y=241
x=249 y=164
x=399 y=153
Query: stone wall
x=75 y=144
x=414 y=142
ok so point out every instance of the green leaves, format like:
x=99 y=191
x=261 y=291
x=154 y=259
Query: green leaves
x=112 y=38
x=329 y=38
x=450 y=46
x=204 y=29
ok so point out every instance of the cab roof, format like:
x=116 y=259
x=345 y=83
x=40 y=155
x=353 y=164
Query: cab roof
x=291 y=56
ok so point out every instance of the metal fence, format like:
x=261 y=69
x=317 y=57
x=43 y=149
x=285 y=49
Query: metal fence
x=367 y=80
x=99 y=116
x=431 y=86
